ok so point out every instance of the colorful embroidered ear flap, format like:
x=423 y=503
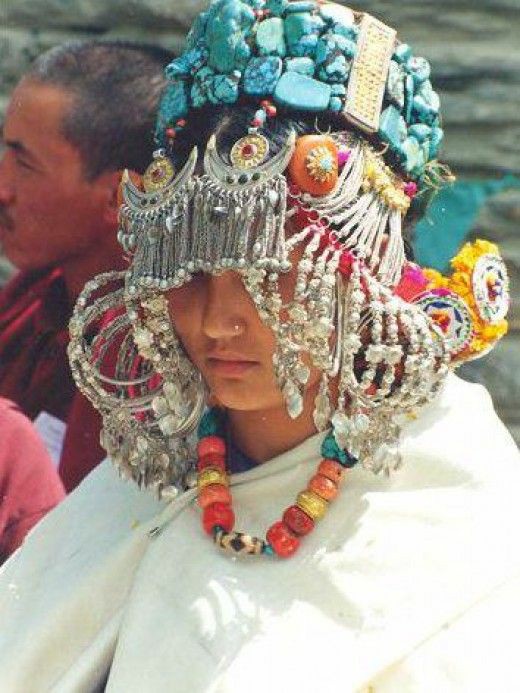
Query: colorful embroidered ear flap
x=471 y=305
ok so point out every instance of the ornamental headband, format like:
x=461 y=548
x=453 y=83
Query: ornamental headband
x=311 y=57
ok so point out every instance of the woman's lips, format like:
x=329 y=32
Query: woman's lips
x=230 y=367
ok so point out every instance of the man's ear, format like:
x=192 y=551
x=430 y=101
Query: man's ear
x=111 y=182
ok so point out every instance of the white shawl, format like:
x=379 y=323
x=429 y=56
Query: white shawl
x=409 y=583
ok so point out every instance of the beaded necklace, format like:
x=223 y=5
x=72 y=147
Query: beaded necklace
x=214 y=497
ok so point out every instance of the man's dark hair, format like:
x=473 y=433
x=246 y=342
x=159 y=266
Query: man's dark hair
x=116 y=87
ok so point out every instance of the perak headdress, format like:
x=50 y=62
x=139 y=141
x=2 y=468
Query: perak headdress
x=384 y=329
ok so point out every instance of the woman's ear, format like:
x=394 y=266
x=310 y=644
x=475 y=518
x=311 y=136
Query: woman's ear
x=111 y=180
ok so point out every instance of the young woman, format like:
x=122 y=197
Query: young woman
x=269 y=349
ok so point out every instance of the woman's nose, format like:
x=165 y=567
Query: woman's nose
x=225 y=313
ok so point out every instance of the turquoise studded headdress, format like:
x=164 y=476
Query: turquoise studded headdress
x=309 y=57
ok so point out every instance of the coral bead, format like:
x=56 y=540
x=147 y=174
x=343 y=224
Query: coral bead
x=218 y=515
x=298 y=521
x=332 y=470
x=216 y=493
x=215 y=460
x=323 y=487
x=211 y=444
x=283 y=541
x=320 y=148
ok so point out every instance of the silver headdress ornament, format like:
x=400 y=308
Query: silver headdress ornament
x=385 y=355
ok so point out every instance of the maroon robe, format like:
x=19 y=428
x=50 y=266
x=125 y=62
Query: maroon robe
x=34 y=368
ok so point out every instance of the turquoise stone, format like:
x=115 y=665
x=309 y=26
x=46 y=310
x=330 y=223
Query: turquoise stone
x=426 y=104
x=336 y=104
x=331 y=451
x=188 y=62
x=277 y=7
x=197 y=31
x=174 y=105
x=420 y=132
x=262 y=75
x=224 y=88
x=228 y=27
x=303 y=93
x=395 y=85
x=409 y=92
x=211 y=424
x=298 y=26
x=412 y=154
x=305 y=66
x=270 y=37
x=335 y=70
x=402 y=53
x=255 y=4
x=202 y=86
x=339 y=90
x=304 y=6
x=420 y=69
x=333 y=57
x=338 y=15
x=392 y=128
x=437 y=137
x=306 y=46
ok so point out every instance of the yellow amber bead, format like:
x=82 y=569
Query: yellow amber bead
x=210 y=476
x=312 y=504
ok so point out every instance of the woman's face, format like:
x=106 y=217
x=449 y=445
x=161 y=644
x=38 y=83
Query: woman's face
x=226 y=340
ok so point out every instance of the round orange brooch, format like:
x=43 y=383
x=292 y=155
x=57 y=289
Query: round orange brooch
x=314 y=165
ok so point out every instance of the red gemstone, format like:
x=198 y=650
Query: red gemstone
x=181 y=123
x=211 y=444
x=283 y=541
x=170 y=133
x=298 y=521
x=323 y=487
x=213 y=459
x=249 y=150
x=271 y=111
x=256 y=123
x=411 y=189
x=218 y=515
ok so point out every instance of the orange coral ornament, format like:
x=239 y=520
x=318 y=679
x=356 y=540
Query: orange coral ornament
x=314 y=165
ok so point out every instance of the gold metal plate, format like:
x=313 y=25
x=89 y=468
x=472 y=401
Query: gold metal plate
x=367 y=84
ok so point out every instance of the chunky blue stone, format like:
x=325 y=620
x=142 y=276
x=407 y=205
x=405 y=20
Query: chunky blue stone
x=270 y=37
x=255 y=4
x=409 y=92
x=306 y=46
x=305 y=66
x=420 y=132
x=174 y=105
x=419 y=68
x=338 y=90
x=402 y=53
x=338 y=15
x=304 y=6
x=336 y=104
x=211 y=424
x=330 y=45
x=302 y=93
x=437 y=137
x=395 y=85
x=277 y=7
x=197 y=31
x=392 y=128
x=188 y=62
x=224 y=88
x=202 y=86
x=411 y=153
x=261 y=75
x=331 y=451
x=335 y=70
x=228 y=27
x=301 y=24
x=426 y=104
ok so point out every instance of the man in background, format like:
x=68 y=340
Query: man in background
x=82 y=114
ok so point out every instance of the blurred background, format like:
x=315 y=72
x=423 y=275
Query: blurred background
x=474 y=48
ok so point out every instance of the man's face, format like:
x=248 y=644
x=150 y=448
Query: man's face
x=49 y=212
